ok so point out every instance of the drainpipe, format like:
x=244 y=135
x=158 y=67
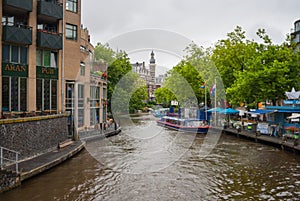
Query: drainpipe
x=63 y=60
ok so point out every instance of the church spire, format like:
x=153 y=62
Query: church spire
x=152 y=60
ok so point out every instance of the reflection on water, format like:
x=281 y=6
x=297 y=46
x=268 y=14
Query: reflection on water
x=236 y=170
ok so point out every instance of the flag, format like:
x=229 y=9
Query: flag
x=203 y=85
x=213 y=89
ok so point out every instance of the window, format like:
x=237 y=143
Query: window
x=14 y=54
x=80 y=105
x=71 y=32
x=71 y=5
x=297 y=26
x=46 y=94
x=94 y=104
x=82 y=68
x=8 y=20
x=80 y=95
x=5 y=53
x=14 y=94
x=104 y=95
x=82 y=48
x=69 y=96
x=14 y=20
x=91 y=56
x=46 y=58
x=39 y=94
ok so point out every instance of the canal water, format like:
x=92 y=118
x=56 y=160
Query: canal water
x=147 y=162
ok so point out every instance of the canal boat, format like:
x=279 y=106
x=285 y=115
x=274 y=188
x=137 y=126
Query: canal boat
x=184 y=125
x=161 y=112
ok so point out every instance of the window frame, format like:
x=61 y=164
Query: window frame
x=73 y=29
x=53 y=57
x=20 y=99
x=20 y=51
x=72 y=5
x=82 y=68
x=43 y=96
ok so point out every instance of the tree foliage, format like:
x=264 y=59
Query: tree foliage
x=104 y=52
x=254 y=72
x=119 y=70
x=164 y=96
x=129 y=94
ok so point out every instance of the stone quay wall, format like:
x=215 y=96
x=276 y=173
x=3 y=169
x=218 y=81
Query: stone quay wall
x=33 y=135
x=8 y=180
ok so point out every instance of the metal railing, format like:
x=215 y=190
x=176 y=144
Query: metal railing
x=16 y=24
x=9 y=157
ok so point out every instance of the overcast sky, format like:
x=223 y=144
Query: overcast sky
x=123 y=23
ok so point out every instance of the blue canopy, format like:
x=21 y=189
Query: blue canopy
x=229 y=111
x=258 y=111
x=216 y=109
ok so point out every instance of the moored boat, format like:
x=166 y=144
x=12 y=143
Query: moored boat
x=184 y=125
x=161 y=112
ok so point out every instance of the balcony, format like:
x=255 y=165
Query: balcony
x=20 y=34
x=52 y=10
x=48 y=39
x=25 y=5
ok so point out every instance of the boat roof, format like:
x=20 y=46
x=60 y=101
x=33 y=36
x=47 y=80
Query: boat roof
x=179 y=119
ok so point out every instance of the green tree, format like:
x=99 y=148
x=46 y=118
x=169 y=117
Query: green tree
x=254 y=72
x=231 y=55
x=129 y=94
x=104 y=52
x=116 y=70
x=164 y=96
x=138 y=98
x=198 y=68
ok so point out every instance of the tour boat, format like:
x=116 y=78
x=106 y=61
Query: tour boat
x=160 y=112
x=184 y=125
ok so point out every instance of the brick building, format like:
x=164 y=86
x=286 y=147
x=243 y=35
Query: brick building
x=47 y=60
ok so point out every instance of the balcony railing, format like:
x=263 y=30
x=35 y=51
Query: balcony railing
x=48 y=39
x=20 y=4
x=20 y=34
x=51 y=9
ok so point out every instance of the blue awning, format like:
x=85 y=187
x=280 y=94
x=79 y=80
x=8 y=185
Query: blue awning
x=216 y=109
x=262 y=111
x=229 y=111
x=288 y=111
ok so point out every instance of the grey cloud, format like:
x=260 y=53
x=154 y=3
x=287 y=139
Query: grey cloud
x=201 y=21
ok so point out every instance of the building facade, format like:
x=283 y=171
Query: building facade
x=160 y=80
x=147 y=74
x=46 y=61
x=296 y=33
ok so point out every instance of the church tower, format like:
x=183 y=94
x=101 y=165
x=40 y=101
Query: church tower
x=152 y=66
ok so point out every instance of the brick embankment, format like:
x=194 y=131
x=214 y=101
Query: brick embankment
x=36 y=165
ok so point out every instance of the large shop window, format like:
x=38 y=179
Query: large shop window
x=94 y=104
x=46 y=94
x=14 y=94
x=71 y=32
x=69 y=96
x=71 y=5
x=80 y=105
x=46 y=58
x=104 y=96
x=14 y=54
